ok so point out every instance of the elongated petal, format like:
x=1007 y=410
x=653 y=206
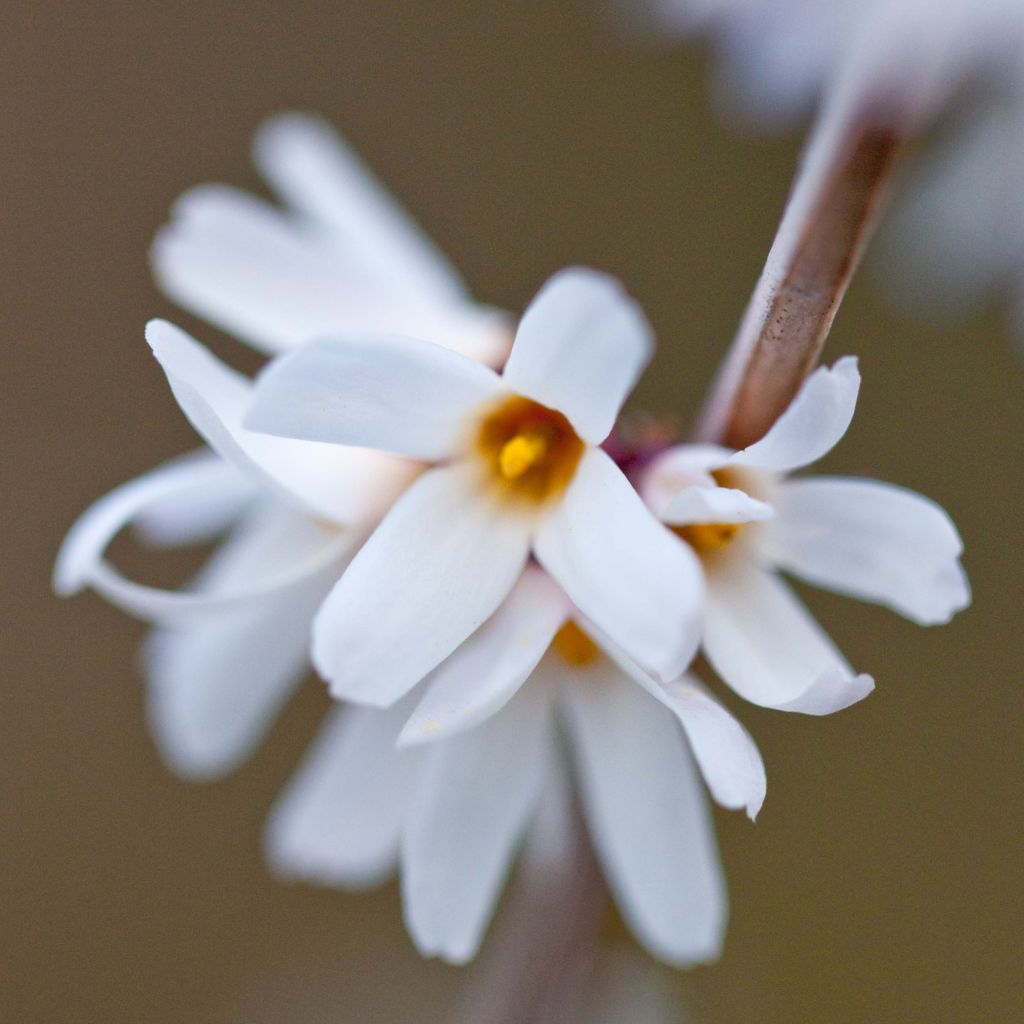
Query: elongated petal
x=483 y=674
x=684 y=465
x=434 y=571
x=316 y=173
x=715 y=505
x=812 y=425
x=474 y=800
x=647 y=816
x=623 y=569
x=81 y=562
x=874 y=541
x=276 y=281
x=762 y=641
x=339 y=484
x=388 y=392
x=202 y=508
x=581 y=347
x=726 y=754
x=339 y=821
x=215 y=685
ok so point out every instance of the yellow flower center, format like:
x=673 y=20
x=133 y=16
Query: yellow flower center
x=706 y=538
x=531 y=450
x=575 y=647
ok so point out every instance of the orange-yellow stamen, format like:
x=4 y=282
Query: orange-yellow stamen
x=575 y=647
x=520 y=454
x=706 y=538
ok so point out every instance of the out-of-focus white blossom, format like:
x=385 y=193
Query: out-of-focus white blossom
x=749 y=520
x=515 y=470
x=448 y=785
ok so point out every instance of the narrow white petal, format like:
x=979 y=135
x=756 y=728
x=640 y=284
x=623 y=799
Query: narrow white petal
x=81 y=563
x=871 y=540
x=435 y=570
x=580 y=348
x=339 y=821
x=647 y=816
x=315 y=172
x=622 y=568
x=474 y=800
x=682 y=466
x=727 y=755
x=396 y=394
x=762 y=641
x=483 y=674
x=715 y=505
x=216 y=685
x=339 y=484
x=812 y=425
x=203 y=508
x=276 y=281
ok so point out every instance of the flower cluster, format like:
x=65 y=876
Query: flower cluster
x=433 y=508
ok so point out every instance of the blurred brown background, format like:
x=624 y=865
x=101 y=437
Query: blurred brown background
x=882 y=882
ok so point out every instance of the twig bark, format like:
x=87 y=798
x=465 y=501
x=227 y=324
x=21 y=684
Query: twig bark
x=828 y=221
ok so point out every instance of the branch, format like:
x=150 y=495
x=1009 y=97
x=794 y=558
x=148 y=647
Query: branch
x=828 y=221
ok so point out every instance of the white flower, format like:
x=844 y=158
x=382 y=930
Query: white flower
x=482 y=744
x=518 y=472
x=777 y=56
x=233 y=646
x=871 y=540
x=230 y=651
x=346 y=257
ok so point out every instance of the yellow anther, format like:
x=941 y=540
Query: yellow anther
x=575 y=647
x=708 y=537
x=520 y=454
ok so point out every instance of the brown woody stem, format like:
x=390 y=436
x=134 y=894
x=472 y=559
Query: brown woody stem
x=828 y=221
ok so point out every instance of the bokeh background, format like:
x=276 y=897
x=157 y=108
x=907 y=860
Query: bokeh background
x=882 y=881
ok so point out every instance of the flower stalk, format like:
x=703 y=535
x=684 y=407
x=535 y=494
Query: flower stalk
x=829 y=219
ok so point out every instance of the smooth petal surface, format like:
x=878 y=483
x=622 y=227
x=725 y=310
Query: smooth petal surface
x=762 y=641
x=647 y=815
x=217 y=684
x=715 y=505
x=474 y=800
x=434 y=571
x=202 y=508
x=316 y=173
x=812 y=425
x=81 y=563
x=874 y=541
x=580 y=348
x=484 y=673
x=340 y=484
x=397 y=394
x=339 y=821
x=622 y=568
x=677 y=468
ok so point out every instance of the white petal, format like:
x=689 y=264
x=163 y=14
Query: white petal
x=715 y=505
x=216 y=685
x=339 y=821
x=812 y=425
x=681 y=466
x=580 y=348
x=276 y=281
x=202 y=509
x=313 y=170
x=762 y=641
x=622 y=568
x=874 y=541
x=80 y=561
x=647 y=816
x=339 y=484
x=435 y=570
x=483 y=674
x=476 y=795
x=388 y=392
